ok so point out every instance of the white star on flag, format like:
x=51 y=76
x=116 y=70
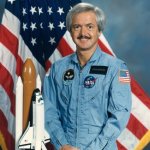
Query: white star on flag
x=49 y=10
x=24 y=11
x=40 y=10
x=24 y=26
x=33 y=41
x=33 y=26
x=33 y=10
x=41 y=25
x=52 y=40
x=61 y=25
x=11 y=1
x=60 y=10
x=51 y=26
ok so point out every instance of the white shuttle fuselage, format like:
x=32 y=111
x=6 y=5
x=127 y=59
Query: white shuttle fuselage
x=35 y=135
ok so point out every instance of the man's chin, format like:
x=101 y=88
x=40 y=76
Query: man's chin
x=84 y=48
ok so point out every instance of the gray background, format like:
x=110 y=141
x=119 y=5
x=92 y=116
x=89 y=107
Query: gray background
x=128 y=33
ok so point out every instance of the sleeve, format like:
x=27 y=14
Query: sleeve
x=119 y=108
x=52 y=117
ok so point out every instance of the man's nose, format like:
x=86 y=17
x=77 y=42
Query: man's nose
x=83 y=30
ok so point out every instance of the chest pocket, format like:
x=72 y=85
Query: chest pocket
x=66 y=91
x=93 y=87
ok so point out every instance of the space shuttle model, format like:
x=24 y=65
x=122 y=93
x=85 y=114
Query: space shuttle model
x=35 y=136
x=30 y=130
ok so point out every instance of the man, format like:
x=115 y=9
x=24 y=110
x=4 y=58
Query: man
x=87 y=94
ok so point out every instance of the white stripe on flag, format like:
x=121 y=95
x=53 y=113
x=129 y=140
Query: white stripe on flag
x=139 y=110
x=11 y=22
x=55 y=56
x=128 y=140
x=105 y=42
x=6 y=55
x=69 y=40
x=5 y=107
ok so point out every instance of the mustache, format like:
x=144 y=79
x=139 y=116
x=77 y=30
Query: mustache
x=83 y=37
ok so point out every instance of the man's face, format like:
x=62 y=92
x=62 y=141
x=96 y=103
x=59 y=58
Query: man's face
x=85 y=31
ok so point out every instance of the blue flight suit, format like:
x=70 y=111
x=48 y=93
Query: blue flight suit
x=87 y=107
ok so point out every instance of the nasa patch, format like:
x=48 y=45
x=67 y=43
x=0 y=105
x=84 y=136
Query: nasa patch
x=89 y=81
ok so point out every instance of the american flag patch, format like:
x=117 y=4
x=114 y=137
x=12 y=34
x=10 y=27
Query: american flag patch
x=124 y=76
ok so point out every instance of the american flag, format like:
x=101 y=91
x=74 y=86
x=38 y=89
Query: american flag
x=124 y=76
x=36 y=29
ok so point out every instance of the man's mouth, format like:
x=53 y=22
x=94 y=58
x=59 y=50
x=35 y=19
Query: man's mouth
x=83 y=37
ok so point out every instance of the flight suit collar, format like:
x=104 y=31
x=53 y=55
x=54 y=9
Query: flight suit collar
x=97 y=54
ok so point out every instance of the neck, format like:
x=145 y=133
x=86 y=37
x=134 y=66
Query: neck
x=84 y=56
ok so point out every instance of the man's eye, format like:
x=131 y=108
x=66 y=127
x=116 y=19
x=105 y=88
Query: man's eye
x=76 y=27
x=90 y=27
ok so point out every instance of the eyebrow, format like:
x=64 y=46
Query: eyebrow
x=85 y=24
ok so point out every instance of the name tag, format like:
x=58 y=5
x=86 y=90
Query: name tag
x=99 y=70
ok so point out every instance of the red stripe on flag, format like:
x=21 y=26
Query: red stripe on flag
x=64 y=48
x=120 y=146
x=136 y=127
x=19 y=66
x=104 y=48
x=139 y=92
x=47 y=65
x=9 y=40
x=9 y=140
x=8 y=84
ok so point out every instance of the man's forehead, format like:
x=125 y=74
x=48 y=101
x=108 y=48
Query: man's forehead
x=84 y=13
x=86 y=17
